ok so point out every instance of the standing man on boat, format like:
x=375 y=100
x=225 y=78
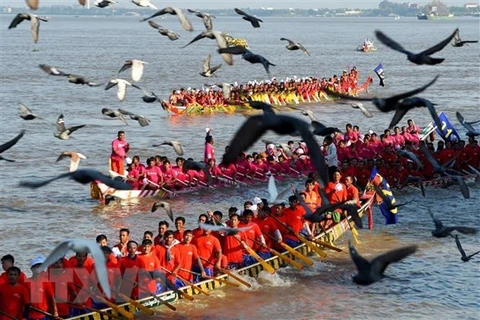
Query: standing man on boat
x=120 y=148
x=209 y=152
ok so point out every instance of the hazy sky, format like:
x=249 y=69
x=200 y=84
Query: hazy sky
x=278 y=4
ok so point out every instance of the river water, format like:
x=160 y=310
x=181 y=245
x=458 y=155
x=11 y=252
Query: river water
x=433 y=283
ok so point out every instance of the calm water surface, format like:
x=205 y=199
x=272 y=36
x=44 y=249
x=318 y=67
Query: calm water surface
x=434 y=283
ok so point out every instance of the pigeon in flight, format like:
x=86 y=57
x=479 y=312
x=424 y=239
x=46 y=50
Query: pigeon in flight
x=295 y=46
x=227 y=231
x=417 y=58
x=197 y=166
x=371 y=272
x=144 y=4
x=414 y=102
x=114 y=114
x=136 y=66
x=33 y=4
x=164 y=31
x=166 y=206
x=471 y=132
x=75 y=79
x=177 y=147
x=464 y=258
x=254 y=21
x=9 y=144
x=186 y=24
x=74 y=159
x=248 y=56
x=64 y=133
x=121 y=87
x=82 y=176
x=275 y=197
x=457 y=42
x=442 y=232
x=206 y=18
x=26 y=113
x=82 y=246
x=221 y=43
x=104 y=3
x=207 y=70
x=142 y=121
x=259 y=105
x=310 y=114
x=34 y=22
x=362 y=108
x=410 y=155
x=320 y=129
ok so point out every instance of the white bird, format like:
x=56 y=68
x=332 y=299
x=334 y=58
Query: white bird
x=164 y=205
x=144 y=3
x=223 y=230
x=81 y=246
x=275 y=197
x=177 y=147
x=136 y=66
x=34 y=21
x=364 y=110
x=74 y=159
x=121 y=87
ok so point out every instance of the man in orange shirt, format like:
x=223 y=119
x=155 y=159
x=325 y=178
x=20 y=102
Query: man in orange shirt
x=14 y=296
x=335 y=190
x=312 y=197
x=41 y=292
x=197 y=232
x=129 y=266
x=254 y=234
x=180 y=226
x=61 y=279
x=232 y=247
x=7 y=262
x=113 y=270
x=352 y=191
x=148 y=264
x=209 y=251
x=187 y=255
x=293 y=217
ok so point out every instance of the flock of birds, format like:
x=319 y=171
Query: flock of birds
x=249 y=132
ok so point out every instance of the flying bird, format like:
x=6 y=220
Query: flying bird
x=371 y=272
x=417 y=58
x=464 y=258
x=471 y=132
x=186 y=24
x=414 y=102
x=177 y=147
x=310 y=114
x=144 y=4
x=248 y=56
x=442 y=231
x=164 y=31
x=227 y=231
x=26 y=113
x=142 y=121
x=320 y=129
x=9 y=144
x=410 y=155
x=104 y=3
x=256 y=126
x=34 y=22
x=121 y=87
x=254 y=21
x=64 y=133
x=457 y=42
x=362 y=108
x=33 y=4
x=82 y=176
x=166 y=206
x=207 y=70
x=275 y=197
x=206 y=18
x=197 y=166
x=259 y=105
x=114 y=114
x=82 y=246
x=295 y=46
x=221 y=43
x=136 y=66
x=75 y=79
x=74 y=159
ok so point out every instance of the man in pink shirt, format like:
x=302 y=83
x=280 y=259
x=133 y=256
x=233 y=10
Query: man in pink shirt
x=209 y=152
x=120 y=148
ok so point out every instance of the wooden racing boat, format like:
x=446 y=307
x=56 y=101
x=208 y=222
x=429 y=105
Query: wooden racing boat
x=331 y=235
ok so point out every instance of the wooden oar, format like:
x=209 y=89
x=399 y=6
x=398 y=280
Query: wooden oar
x=310 y=245
x=172 y=193
x=327 y=245
x=163 y=302
x=212 y=278
x=230 y=274
x=106 y=314
x=48 y=314
x=137 y=304
x=252 y=252
x=118 y=309
x=281 y=256
x=3 y=313
x=293 y=252
x=188 y=283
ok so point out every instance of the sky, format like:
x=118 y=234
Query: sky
x=277 y=4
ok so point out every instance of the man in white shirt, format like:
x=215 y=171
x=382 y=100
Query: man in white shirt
x=331 y=156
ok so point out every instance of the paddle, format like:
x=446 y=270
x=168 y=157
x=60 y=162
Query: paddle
x=7 y=315
x=103 y=313
x=153 y=295
x=293 y=252
x=212 y=278
x=230 y=274
x=310 y=245
x=265 y=265
x=281 y=256
x=188 y=283
x=44 y=312
x=137 y=304
x=160 y=187
x=351 y=224
x=327 y=245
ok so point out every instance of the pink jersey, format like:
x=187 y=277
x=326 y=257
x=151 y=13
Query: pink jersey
x=153 y=174
x=209 y=152
x=121 y=149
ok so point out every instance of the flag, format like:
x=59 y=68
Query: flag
x=390 y=215
x=447 y=129
x=381 y=74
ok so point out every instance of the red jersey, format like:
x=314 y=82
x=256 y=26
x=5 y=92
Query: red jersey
x=62 y=285
x=268 y=226
x=4 y=278
x=14 y=299
x=336 y=192
x=352 y=193
x=129 y=271
x=208 y=246
x=185 y=256
x=294 y=219
x=233 y=249
x=41 y=296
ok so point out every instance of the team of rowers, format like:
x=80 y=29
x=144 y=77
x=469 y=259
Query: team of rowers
x=287 y=91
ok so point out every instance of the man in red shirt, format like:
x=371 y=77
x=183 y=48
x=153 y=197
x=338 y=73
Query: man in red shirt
x=41 y=292
x=14 y=296
x=352 y=191
x=129 y=266
x=187 y=255
x=254 y=235
x=293 y=217
x=232 y=247
x=120 y=148
x=162 y=228
x=7 y=262
x=209 y=251
x=148 y=263
x=180 y=226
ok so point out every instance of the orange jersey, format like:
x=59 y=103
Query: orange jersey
x=352 y=193
x=185 y=256
x=41 y=296
x=336 y=192
x=4 y=278
x=129 y=271
x=148 y=263
x=252 y=234
x=312 y=199
x=268 y=226
x=294 y=219
x=14 y=299
x=62 y=285
x=233 y=249
x=178 y=234
x=88 y=264
x=208 y=246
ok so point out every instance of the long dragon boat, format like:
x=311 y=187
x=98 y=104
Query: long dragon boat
x=329 y=236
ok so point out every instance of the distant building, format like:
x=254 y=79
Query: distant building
x=471 y=6
x=413 y=5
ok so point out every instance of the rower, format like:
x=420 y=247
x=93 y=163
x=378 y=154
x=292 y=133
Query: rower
x=209 y=249
x=7 y=262
x=14 y=296
x=187 y=255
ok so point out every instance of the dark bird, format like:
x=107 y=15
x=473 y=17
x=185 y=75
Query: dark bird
x=362 y=108
x=207 y=70
x=104 y=3
x=371 y=272
x=164 y=205
x=197 y=166
x=259 y=105
x=206 y=18
x=164 y=31
x=114 y=114
x=412 y=156
x=136 y=66
x=148 y=96
x=457 y=42
x=471 y=132
x=256 y=126
x=221 y=43
x=442 y=232
x=82 y=176
x=464 y=258
x=9 y=144
x=254 y=21
x=414 y=102
x=320 y=129
x=26 y=113
x=34 y=22
x=64 y=133
x=186 y=24
x=295 y=46
x=75 y=79
x=177 y=147
x=417 y=58
x=248 y=56
x=418 y=181
x=142 y=121
x=223 y=230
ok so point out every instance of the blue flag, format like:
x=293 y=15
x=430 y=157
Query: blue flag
x=381 y=74
x=447 y=130
x=391 y=216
